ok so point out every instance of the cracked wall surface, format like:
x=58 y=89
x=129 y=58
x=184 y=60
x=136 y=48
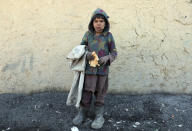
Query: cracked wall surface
x=153 y=38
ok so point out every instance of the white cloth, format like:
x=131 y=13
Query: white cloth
x=78 y=64
x=76 y=52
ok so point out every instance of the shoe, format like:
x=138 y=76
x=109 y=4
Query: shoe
x=99 y=120
x=80 y=117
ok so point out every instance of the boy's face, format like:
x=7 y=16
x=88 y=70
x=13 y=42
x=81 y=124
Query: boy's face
x=99 y=25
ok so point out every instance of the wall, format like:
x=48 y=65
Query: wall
x=153 y=38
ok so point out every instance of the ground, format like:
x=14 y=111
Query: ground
x=47 y=111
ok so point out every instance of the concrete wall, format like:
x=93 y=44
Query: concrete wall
x=153 y=38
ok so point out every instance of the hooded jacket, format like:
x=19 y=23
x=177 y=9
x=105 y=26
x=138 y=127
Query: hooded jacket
x=103 y=45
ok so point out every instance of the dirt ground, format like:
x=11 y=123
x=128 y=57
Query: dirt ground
x=47 y=111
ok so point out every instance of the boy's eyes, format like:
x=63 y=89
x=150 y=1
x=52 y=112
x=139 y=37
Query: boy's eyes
x=98 y=21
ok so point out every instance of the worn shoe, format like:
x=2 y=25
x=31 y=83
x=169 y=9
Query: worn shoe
x=99 y=120
x=80 y=117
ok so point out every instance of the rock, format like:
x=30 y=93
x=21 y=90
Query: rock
x=74 y=128
x=181 y=125
x=137 y=123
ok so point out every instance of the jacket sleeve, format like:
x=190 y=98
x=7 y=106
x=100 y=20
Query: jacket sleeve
x=112 y=48
x=85 y=39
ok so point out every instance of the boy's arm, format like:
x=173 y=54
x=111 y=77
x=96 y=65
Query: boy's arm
x=85 y=39
x=112 y=49
x=108 y=59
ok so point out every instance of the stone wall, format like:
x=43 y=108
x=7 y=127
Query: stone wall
x=153 y=38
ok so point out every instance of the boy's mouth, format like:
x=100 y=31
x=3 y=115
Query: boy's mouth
x=98 y=28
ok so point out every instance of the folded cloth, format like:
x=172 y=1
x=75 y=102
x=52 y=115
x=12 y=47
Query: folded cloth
x=78 y=64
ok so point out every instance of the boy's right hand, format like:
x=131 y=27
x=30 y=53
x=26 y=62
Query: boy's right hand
x=89 y=56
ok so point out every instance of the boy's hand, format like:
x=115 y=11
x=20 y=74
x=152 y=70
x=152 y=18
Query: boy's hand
x=89 y=56
x=103 y=60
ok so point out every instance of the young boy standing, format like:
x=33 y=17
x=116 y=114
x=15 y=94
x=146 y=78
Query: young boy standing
x=98 y=39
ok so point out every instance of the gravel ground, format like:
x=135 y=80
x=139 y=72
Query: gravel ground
x=47 y=111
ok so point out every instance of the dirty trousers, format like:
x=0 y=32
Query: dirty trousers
x=97 y=85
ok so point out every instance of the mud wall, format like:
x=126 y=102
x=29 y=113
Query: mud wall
x=153 y=38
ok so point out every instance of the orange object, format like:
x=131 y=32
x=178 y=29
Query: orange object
x=94 y=62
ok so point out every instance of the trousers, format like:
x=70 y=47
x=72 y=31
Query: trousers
x=97 y=85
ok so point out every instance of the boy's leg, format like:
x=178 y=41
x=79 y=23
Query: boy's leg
x=100 y=93
x=101 y=90
x=89 y=87
x=86 y=99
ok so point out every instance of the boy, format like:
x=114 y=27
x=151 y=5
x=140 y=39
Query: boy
x=99 y=40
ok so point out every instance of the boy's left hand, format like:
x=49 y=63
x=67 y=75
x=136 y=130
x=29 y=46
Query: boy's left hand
x=103 y=60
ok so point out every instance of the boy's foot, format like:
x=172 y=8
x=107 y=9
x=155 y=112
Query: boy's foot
x=80 y=117
x=99 y=120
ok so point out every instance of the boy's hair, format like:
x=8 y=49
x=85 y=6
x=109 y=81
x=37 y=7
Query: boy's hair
x=91 y=27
